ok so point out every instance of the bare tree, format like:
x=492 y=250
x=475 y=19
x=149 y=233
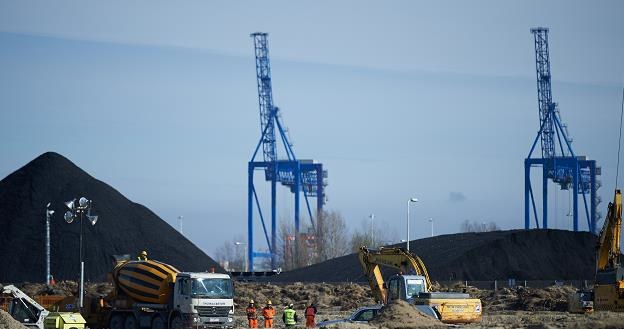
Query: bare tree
x=333 y=236
x=474 y=226
x=372 y=239
x=230 y=256
x=294 y=250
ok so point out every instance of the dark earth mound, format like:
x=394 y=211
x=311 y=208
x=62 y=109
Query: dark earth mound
x=520 y=254
x=124 y=227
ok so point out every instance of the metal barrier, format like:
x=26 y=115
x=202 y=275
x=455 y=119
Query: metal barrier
x=512 y=283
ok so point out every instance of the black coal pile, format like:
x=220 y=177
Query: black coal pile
x=123 y=227
x=500 y=255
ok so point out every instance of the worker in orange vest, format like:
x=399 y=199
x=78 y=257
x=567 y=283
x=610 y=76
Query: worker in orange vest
x=252 y=317
x=310 y=312
x=268 y=312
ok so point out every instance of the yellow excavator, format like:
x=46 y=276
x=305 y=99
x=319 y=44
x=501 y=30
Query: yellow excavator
x=413 y=285
x=609 y=284
x=608 y=292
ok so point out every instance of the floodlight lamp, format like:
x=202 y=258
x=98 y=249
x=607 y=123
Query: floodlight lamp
x=93 y=219
x=70 y=204
x=50 y=212
x=48 y=205
x=413 y=200
x=69 y=217
x=83 y=202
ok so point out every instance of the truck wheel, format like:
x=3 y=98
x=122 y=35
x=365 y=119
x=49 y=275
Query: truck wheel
x=116 y=322
x=158 y=322
x=176 y=322
x=131 y=322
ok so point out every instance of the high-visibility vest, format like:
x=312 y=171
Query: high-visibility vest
x=289 y=316
x=310 y=311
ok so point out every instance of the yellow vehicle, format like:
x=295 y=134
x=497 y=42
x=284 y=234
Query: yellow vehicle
x=609 y=284
x=608 y=292
x=413 y=285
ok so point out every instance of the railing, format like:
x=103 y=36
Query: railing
x=512 y=283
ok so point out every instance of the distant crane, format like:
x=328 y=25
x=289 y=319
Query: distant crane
x=299 y=175
x=564 y=167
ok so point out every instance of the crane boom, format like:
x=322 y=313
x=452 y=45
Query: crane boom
x=544 y=91
x=30 y=312
x=265 y=97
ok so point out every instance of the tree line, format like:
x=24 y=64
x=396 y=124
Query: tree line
x=330 y=239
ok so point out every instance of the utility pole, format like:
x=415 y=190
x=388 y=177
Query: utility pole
x=49 y=213
x=431 y=221
x=372 y=218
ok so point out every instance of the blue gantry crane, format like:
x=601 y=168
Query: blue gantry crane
x=558 y=161
x=300 y=176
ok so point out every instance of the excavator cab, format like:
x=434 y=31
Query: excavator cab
x=406 y=287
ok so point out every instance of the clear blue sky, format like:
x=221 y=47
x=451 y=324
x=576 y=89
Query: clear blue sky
x=398 y=99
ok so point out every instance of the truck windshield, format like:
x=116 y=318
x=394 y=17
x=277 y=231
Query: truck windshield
x=414 y=286
x=212 y=288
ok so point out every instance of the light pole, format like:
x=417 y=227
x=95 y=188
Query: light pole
x=84 y=205
x=372 y=217
x=431 y=221
x=408 y=219
x=49 y=213
x=180 y=221
x=245 y=254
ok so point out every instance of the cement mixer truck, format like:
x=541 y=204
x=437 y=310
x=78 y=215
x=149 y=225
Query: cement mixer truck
x=152 y=294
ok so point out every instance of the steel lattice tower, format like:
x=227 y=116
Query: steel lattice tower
x=298 y=175
x=564 y=167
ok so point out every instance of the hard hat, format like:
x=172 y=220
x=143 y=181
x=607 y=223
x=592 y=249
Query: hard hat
x=143 y=253
x=291 y=305
x=251 y=301
x=269 y=302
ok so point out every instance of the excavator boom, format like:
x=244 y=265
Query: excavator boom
x=396 y=258
x=608 y=249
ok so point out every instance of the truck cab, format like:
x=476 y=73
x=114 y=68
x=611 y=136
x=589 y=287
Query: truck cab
x=203 y=300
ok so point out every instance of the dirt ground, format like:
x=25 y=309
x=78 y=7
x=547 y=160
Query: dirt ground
x=7 y=322
x=506 y=308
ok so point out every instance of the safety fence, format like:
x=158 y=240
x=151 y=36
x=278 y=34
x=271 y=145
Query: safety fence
x=513 y=283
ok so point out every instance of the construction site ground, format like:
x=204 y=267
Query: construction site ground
x=518 y=307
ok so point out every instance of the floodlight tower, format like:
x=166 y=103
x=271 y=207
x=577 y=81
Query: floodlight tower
x=49 y=213
x=77 y=211
x=563 y=167
x=298 y=175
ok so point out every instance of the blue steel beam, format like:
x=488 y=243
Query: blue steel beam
x=297 y=175
x=566 y=169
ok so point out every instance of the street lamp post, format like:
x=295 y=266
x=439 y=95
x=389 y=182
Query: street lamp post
x=49 y=213
x=245 y=254
x=408 y=219
x=372 y=217
x=431 y=221
x=84 y=205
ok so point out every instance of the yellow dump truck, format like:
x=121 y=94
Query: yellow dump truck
x=413 y=286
